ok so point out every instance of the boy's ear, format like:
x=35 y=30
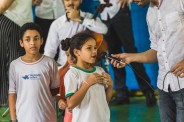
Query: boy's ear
x=41 y=40
x=76 y=52
x=21 y=43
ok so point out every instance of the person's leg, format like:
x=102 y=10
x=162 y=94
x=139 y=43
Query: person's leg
x=122 y=26
x=179 y=100
x=8 y=51
x=167 y=107
x=114 y=47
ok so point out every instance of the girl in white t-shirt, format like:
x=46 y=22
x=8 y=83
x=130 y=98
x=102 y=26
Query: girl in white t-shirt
x=88 y=88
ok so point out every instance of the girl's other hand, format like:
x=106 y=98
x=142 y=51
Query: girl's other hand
x=62 y=104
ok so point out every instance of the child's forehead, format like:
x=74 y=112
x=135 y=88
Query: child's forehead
x=90 y=41
x=31 y=33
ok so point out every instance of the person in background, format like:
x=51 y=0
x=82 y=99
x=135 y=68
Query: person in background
x=13 y=14
x=33 y=78
x=88 y=88
x=165 y=24
x=45 y=14
x=118 y=20
x=65 y=44
x=66 y=26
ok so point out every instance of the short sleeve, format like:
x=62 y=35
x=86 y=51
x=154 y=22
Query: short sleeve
x=12 y=79
x=54 y=76
x=71 y=83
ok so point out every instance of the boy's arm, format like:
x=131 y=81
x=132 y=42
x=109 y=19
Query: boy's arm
x=54 y=88
x=12 y=102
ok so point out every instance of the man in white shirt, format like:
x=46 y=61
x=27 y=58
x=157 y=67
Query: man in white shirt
x=46 y=13
x=118 y=20
x=166 y=28
x=67 y=26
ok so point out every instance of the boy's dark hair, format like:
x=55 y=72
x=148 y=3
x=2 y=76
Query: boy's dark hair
x=78 y=40
x=29 y=26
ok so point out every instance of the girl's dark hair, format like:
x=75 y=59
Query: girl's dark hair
x=29 y=26
x=65 y=44
x=78 y=40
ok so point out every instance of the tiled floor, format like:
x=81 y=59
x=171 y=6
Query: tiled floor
x=136 y=111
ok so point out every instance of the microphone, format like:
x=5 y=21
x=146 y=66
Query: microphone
x=107 y=56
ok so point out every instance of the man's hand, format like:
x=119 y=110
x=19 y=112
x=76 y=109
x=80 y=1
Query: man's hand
x=124 y=57
x=36 y=2
x=73 y=15
x=178 y=70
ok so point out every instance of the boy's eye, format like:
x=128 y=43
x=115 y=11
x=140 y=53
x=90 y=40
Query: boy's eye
x=27 y=40
x=36 y=39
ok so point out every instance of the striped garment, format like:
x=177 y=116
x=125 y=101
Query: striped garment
x=9 y=50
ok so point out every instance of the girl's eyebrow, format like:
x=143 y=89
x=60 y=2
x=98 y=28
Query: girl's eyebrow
x=90 y=45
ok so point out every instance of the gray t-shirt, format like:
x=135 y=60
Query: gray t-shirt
x=32 y=83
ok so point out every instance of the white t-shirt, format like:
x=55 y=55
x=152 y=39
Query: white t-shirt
x=50 y=9
x=94 y=107
x=20 y=12
x=32 y=83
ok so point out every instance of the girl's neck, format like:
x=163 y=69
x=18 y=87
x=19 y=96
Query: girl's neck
x=31 y=58
x=86 y=66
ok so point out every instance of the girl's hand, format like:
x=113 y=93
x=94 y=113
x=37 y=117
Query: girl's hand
x=178 y=70
x=94 y=78
x=107 y=79
x=62 y=104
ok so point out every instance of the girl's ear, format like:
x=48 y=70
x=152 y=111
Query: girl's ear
x=21 y=43
x=76 y=52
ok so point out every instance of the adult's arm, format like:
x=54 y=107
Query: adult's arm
x=4 y=5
